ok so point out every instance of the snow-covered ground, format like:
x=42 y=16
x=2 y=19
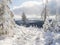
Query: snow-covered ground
x=31 y=36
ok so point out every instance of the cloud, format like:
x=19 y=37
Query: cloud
x=30 y=4
x=27 y=4
x=33 y=8
x=30 y=7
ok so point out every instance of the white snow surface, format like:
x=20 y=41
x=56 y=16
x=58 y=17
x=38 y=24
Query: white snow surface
x=31 y=36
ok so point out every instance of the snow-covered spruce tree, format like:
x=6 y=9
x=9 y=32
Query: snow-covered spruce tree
x=55 y=24
x=24 y=18
x=46 y=25
x=46 y=16
x=6 y=18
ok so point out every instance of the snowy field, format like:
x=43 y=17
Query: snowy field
x=32 y=36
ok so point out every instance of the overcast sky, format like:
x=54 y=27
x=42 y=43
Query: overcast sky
x=16 y=3
x=27 y=4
